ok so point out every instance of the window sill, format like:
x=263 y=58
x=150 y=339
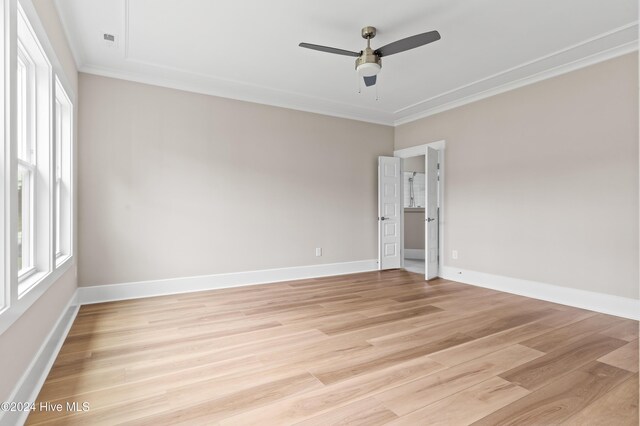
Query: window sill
x=26 y=275
x=30 y=291
x=30 y=282
x=61 y=259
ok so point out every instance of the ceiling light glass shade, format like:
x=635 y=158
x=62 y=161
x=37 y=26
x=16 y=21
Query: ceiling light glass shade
x=368 y=69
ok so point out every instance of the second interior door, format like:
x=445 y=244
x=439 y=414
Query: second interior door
x=431 y=215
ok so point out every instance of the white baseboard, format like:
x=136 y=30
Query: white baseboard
x=414 y=254
x=32 y=380
x=599 y=302
x=136 y=290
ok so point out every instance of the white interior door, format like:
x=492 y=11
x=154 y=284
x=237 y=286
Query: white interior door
x=389 y=208
x=431 y=215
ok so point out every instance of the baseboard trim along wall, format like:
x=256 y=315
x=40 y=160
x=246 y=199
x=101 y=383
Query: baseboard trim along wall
x=29 y=385
x=414 y=254
x=136 y=290
x=600 y=302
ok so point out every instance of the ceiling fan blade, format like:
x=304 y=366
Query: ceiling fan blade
x=408 y=43
x=369 y=81
x=329 y=49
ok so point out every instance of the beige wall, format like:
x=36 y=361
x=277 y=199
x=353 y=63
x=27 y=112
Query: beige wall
x=177 y=184
x=542 y=181
x=414 y=164
x=20 y=343
x=414 y=228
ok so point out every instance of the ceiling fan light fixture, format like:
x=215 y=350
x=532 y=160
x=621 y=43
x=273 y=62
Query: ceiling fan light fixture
x=368 y=63
x=368 y=69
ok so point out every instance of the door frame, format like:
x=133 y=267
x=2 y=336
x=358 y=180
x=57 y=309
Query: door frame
x=415 y=151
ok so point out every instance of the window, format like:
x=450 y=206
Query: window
x=63 y=205
x=36 y=125
x=34 y=150
x=26 y=162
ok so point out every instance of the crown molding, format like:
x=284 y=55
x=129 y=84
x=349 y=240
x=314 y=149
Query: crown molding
x=466 y=94
x=243 y=92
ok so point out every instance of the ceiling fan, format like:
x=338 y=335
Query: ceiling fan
x=368 y=64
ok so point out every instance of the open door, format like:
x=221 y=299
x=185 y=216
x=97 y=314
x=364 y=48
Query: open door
x=389 y=209
x=431 y=215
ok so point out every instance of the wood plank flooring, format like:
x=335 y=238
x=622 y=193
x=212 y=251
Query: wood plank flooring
x=363 y=349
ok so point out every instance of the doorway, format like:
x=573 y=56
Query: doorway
x=413 y=212
x=417 y=199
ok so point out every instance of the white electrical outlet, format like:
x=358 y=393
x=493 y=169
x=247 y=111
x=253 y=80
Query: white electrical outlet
x=454 y=254
x=319 y=251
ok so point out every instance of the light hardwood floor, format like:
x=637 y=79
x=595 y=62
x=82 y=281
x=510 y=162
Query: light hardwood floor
x=371 y=348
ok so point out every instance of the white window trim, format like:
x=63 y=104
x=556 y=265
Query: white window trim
x=7 y=63
x=13 y=307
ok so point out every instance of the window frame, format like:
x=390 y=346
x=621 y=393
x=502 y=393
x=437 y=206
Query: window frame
x=16 y=297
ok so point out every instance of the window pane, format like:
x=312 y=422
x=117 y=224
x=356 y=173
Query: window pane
x=22 y=112
x=63 y=135
x=25 y=200
x=20 y=197
x=25 y=223
x=58 y=171
x=58 y=218
x=58 y=138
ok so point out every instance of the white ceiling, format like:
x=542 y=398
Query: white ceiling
x=249 y=49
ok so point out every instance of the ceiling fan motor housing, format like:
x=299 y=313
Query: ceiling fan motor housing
x=368 y=63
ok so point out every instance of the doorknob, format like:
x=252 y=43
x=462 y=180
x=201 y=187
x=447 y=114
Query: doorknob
x=384 y=218
x=430 y=219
